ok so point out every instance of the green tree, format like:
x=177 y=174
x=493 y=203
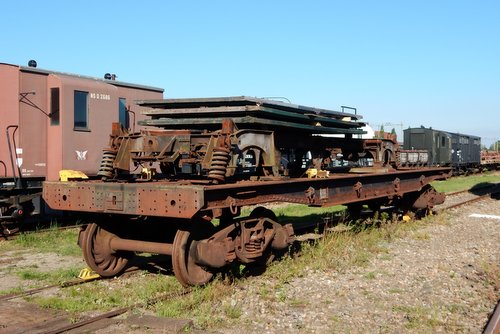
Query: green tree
x=495 y=146
x=381 y=132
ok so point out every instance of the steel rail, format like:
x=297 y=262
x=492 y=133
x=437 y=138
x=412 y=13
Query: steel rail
x=43 y=288
x=66 y=284
x=117 y=312
x=493 y=325
x=472 y=200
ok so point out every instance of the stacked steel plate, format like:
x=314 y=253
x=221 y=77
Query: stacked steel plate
x=247 y=113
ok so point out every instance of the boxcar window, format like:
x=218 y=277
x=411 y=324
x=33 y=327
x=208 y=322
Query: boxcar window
x=81 y=110
x=54 y=106
x=122 y=112
x=443 y=141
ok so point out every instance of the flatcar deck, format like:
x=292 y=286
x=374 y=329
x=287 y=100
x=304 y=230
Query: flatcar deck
x=185 y=199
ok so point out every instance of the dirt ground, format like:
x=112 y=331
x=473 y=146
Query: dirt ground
x=44 y=262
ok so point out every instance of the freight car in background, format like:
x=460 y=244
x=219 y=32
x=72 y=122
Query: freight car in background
x=490 y=159
x=51 y=121
x=460 y=151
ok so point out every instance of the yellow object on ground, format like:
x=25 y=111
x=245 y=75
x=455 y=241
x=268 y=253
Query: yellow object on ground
x=406 y=218
x=67 y=174
x=87 y=273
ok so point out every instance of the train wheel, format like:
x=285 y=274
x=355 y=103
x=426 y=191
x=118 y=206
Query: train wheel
x=186 y=270
x=262 y=212
x=99 y=255
x=269 y=255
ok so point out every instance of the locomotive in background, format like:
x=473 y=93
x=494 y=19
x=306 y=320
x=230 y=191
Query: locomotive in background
x=51 y=121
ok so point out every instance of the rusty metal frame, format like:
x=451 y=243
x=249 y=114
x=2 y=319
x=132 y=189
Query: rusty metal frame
x=186 y=199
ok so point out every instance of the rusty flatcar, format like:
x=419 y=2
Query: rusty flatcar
x=160 y=190
x=51 y=121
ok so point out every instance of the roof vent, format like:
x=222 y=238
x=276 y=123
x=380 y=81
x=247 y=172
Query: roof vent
x=107 y=76
x=32 y=63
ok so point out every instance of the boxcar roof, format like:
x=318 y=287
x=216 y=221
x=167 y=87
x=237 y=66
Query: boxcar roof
x=415 y=130
x=111 y=82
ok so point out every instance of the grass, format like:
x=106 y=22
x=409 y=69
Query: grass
x=52 y=277
x=491 y=275
x=62 y=242
x=109 y=294
x=203 y=304
x=420 y=317
x=466 y=182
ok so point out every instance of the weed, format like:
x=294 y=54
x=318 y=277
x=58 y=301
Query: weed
x=233 y=312
x=335 y=318
x=421 y=235
x=491 y=276
x=15 y=290
x=281 y=296
x=52 y=277
x=370 y=275
x=62 y=242
x=396 y=291
x=420 y=317
x=30 y=274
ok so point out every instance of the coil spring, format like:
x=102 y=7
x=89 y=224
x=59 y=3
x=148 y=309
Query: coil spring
x=220 y=160
x=106 y=167
x=254 y=246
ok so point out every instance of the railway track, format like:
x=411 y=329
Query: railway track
x=92 y=323
x=8 y=236
x=66 y=284
x=44 y=288
x=493 y=325
x=457 y=199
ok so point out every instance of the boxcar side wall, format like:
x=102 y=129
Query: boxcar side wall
x=32 y=148
x=54 y=126
x=465 y=149
x=445 y=148
x=442 y=147
x=88 y=111
x=9 y=111
x=78 y=142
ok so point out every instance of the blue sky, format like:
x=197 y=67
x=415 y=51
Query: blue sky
x=431 y=63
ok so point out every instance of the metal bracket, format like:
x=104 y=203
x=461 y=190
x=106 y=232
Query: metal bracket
x=358 y=188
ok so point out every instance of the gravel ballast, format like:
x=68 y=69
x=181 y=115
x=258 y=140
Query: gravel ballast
x=438 y=278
